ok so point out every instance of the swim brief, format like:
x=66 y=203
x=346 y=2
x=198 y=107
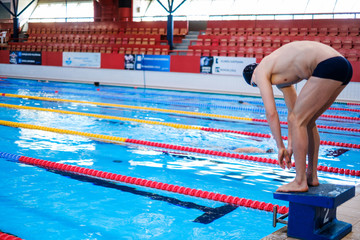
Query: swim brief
x=335 y=68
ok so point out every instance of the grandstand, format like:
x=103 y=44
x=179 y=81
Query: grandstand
x=233 y=38
x=259 y=38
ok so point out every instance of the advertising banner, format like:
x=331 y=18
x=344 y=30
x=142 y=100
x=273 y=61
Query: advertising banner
x=159 y=63
x=24 y=57
x=81 y=59
x=206 y=64
x=130 y=61
x=224 y=65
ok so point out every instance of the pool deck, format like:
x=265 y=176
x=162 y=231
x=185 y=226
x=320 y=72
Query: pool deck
x=348 y=212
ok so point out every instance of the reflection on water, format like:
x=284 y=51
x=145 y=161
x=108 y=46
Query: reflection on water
x=39 y=140
x=231 y=169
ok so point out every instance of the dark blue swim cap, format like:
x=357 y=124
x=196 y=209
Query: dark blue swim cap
x=248 y=72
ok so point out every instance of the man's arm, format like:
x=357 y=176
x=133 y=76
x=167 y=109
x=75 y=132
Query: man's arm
x=264 y=84
x=263 y=80
x=290 y=97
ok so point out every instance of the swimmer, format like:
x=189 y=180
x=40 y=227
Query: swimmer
x=327 y=73
x=253 y=150
x=242 y=102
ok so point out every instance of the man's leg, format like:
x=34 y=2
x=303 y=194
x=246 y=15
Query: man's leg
x=313 y=154
x=315 y=97
x=314 y=143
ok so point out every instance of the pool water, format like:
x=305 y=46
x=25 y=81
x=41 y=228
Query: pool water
x=38 y=203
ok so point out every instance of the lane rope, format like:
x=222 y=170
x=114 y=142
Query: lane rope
x=166 y=110
x=173 y=147
x=201 y=105
x=174 y=125
x=144 y=182
x=164 y=102
x=126 y=106
x=5 y=236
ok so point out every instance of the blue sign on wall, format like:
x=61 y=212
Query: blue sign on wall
x=159 y=63
x=25 y=57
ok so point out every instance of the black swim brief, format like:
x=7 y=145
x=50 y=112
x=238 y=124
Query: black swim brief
x=335 y=68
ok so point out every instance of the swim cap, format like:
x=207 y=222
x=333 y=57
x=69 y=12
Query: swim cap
x=248 y=72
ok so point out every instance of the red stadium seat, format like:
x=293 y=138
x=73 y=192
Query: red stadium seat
x=249 y=31
x=276 y=43
x=343 y=32
x=231 y=53
x=224 y=31
x=249 y=43
x=232 y=42
x=336 y=43
x=354 y=31
x=352 y=55
x=333 y=31
x=347 y=44
x=267 y=43
x=223 y=52
x=294 y=32
x=232 y=31
x=240 y=52
x=223 y=42
x=323 y=32
x=356 y=44
x=267 y=31
x=303 y=32
x=214 y=52
x=216 y=31
x=257 y=32
x=313 y=32
x=259 y=53
x=241 y=31
x=250 y=52
x=284 y=31
x=275 y=31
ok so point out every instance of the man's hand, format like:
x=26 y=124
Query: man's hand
x=290 y=152
x=284 y=158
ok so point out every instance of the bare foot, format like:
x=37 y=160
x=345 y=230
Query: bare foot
x=312 y=181
x=294 y=187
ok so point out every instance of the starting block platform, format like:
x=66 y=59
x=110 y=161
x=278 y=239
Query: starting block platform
x=312 y=214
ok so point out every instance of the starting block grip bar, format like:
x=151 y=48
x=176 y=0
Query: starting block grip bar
x=312 y=214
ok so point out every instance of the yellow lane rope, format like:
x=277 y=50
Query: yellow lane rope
x=63 y=131
x=174 y=125
x=126 y=106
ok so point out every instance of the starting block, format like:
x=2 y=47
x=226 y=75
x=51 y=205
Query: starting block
x=312 y=214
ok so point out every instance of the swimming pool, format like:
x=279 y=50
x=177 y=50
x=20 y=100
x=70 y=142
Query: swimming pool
x=179 y=138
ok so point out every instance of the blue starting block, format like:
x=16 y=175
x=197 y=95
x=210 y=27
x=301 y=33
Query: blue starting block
x=312 y=215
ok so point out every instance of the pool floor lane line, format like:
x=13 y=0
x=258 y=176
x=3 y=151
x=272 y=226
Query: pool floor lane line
x=171 y=146
x=209 y=215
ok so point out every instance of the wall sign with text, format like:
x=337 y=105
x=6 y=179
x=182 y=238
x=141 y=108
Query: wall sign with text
x=25 y=57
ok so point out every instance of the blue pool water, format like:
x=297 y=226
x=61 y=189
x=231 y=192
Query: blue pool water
x=41 y=204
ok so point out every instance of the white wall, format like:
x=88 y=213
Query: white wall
x=160 y=80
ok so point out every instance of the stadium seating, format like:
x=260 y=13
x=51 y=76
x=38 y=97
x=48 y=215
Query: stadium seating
x=259 y=38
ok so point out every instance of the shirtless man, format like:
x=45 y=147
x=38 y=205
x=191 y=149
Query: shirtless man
x=327 y=73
